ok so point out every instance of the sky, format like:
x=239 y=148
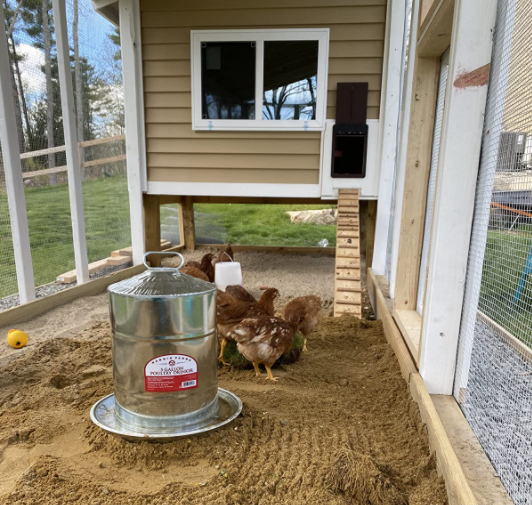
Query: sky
x=93 y=40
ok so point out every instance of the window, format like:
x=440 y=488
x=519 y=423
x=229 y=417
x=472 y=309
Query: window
x=259 y=79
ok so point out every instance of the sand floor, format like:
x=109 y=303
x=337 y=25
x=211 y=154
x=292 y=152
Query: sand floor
x=339 y=427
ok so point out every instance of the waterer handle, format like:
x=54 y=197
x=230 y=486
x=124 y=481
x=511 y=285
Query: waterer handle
x=166 y=253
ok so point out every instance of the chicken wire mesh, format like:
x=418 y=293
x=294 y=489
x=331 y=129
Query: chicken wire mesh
x=97 y=81
x=494 y=367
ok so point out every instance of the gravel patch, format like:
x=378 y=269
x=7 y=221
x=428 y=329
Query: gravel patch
x=499 y=409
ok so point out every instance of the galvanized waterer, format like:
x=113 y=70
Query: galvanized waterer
x=164 y=358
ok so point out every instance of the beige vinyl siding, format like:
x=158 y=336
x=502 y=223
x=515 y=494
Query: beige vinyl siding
x=177 y=153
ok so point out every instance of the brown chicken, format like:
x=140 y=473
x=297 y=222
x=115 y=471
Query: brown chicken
x=226 y=254
x=240 y=293
x=263 y=340
x=205 y=266
x=194 y=272
x=231 y=311
x=306 y=312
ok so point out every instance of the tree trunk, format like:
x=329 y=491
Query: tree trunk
x=49 y=90
x=18 y=117
x=21 y=94
x=79 y=90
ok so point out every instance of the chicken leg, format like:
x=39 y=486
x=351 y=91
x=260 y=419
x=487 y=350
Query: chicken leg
x=305 y=345
x=222 y=349
x=257 y=369
x=270 y=375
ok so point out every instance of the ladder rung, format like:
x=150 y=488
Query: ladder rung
x=346 y=246
x=348 y=290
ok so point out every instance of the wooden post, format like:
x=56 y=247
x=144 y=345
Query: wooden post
x=371 y=217
x=454 y=201
x=389 y=122
x=181 y=224
x=152 y=227
x=13 y=173
x=403 y=143
x=131 y=47
x=77 y=212
x=417 y=171
x=189 y=229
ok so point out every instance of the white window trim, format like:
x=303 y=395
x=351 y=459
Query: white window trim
x=259 y=36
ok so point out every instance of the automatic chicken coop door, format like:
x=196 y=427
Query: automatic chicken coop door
x=165 y=365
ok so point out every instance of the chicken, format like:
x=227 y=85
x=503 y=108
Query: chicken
x=194 y=272
x=225 y=255
x=263 y=340
x=230 y=311
x=306 y=312
x=240 y=293
x=205 y=266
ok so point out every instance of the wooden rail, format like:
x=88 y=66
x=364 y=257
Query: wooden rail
x=82 y=145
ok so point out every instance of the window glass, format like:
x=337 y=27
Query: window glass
x=290 y=79
x=228 y=80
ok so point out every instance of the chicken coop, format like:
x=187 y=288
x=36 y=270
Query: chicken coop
x=411 y=117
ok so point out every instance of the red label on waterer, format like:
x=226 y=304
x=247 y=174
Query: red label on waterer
x=170 y=372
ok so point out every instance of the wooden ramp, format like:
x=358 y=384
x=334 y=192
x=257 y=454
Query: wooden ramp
x=347 y=285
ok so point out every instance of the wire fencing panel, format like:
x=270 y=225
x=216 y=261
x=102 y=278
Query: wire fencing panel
x=97 y=74
x=97 y=82
x=494 y=368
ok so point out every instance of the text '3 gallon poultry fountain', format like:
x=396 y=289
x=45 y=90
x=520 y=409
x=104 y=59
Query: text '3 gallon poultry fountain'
x=164 y=358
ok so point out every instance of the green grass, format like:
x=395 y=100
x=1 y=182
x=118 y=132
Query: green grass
x=107 y=227
x=249 y=224
x=504 y=260
x=106 y=220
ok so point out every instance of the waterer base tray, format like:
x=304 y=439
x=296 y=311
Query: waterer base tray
x=103 y=415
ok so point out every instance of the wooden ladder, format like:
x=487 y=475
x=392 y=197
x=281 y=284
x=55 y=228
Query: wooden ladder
x=347 y=285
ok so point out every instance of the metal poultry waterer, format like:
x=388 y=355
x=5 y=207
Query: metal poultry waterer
x=164 y=358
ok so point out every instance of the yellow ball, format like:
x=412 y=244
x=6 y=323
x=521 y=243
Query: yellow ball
x=17 y=338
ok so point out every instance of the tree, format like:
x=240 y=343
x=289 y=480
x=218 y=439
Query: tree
x=11 y=16
x=78 y=81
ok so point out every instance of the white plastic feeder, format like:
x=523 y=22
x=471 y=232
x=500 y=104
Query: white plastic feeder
x=227 y=274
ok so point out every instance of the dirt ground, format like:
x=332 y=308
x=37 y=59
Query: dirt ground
x=339 y=427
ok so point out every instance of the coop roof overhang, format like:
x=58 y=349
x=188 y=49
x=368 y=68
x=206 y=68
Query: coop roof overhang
x=108 y=9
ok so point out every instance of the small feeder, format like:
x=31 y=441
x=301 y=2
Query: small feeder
x=164 y=358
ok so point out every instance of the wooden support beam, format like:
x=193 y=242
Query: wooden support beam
x=458 y=490
x=152 y=227
x=189 y=228
x=454 y=201
x=131 y=50
x=13 y=175
x=371 y=218
x=77 y=211
x=323 y=251
x=28 y=311
x=435 y=31
x=416 y=181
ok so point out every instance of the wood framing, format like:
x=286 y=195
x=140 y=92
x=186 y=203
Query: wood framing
x=13 y=175
x=323 y=251
x=152 y=227
x=457 y=486
x=189 y=227
x=389 y=122
x=417 y=171
x=391 y=332
x=462 y=129
x=436 y=28
x=131 y=47
x=29 y=310
x=409 y=323
x=403 y=144
x=371 y=217
x=68 y=109
x=458 y=490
